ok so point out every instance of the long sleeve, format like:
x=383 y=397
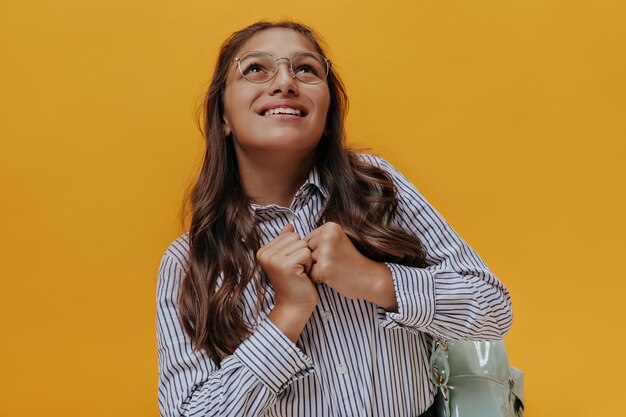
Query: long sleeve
x=456 y=296
x=246 y=383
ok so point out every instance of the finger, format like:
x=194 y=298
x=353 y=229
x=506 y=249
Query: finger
x=314 y=274
x=292 y=247
x=308 y=265
x=313 y=243
x=286 y=229
x=313 y=233
x=302 y=256
x=281 y=242
x=317 y=255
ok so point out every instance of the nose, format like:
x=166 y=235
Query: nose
x=283 y=82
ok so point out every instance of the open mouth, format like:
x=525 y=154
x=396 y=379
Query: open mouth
x=288 y=111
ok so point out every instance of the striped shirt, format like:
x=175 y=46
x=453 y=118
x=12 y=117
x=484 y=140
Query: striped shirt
x=353 y=358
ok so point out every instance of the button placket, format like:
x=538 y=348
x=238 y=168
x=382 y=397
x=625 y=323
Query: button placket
x=290 y=217
x=341 y=369
x=326 y=316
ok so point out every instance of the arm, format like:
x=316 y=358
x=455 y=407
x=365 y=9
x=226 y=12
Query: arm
x=456 y=296
x=189 y=382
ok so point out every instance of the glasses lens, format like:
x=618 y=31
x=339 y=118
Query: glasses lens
x=309 y=67
x=257 y=67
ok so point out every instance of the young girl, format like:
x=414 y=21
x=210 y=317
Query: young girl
x=313 y=278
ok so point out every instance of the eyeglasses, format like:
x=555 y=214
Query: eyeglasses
x=260 y=67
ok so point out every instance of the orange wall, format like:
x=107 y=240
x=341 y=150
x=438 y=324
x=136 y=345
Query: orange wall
x=510 y=116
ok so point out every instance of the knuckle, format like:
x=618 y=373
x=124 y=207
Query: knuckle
x=333 y=227
x=332 y=233
x=266 y=260
x=271 y=259
x=323 y=267
x=326 y=253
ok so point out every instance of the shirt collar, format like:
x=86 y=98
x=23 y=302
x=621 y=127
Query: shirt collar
x=315 y=179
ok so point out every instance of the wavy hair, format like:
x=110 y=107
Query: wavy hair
x=223 y=233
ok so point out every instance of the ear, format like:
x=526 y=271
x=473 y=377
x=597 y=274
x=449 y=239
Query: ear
x=226 y=127
x=225 y=122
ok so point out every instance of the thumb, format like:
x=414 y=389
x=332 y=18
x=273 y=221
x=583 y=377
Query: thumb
x=287 y=229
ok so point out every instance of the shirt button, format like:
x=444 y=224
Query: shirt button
x=341 y=369
x=326 y=315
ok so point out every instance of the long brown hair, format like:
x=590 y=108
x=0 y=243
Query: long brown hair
x=223 y=235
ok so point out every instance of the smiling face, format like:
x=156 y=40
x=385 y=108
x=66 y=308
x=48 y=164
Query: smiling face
x=250 y=110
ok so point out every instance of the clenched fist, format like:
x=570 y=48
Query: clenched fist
x=338 y=264
x=286 y=260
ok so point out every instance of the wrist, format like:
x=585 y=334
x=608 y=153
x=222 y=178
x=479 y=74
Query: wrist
x=381 y=289
x=291 y=319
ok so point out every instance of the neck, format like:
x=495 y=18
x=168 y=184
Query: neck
x=273 y=178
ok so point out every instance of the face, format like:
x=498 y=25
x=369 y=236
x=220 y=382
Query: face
x=246 y=104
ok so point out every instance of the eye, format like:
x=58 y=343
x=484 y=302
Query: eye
x=306 y=69
x=253 y=68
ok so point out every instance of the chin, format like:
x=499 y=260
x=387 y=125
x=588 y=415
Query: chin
x=287 y=143
x=288 y=148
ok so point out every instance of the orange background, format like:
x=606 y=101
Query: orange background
x=508 y=115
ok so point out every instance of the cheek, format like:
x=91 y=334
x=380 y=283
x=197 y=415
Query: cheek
x=321 y=100
x=234 y=107
x=326 y=100
x=324 y=107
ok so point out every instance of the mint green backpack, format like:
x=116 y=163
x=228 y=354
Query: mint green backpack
x=475 y=380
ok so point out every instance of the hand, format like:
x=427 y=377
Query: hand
x=286 y=261
x=338 y=264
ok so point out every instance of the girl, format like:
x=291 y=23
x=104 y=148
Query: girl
x=313 y=278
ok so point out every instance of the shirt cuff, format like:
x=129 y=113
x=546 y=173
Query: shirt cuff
x=274 y=359
x=415 y=293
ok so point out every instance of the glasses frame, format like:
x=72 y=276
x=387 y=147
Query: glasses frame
x=291 y=71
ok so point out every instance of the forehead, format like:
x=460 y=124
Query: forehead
x=278 y=42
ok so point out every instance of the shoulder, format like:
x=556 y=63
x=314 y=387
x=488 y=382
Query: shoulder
x=383 y=164
x=405 y=188
x=376 y=160
x=370 y=158
x=177 y=252
x=172 y=269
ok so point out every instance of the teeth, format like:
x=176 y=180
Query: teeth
x=282 y=110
